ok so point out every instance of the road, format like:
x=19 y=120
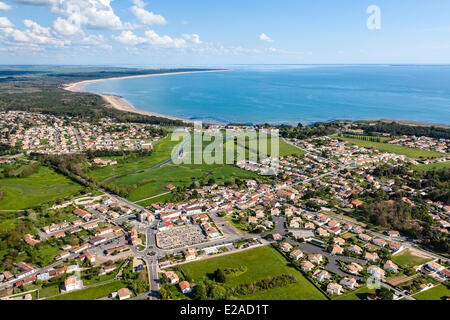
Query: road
x=77 y=135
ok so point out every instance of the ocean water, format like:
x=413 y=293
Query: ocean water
x=292 y=94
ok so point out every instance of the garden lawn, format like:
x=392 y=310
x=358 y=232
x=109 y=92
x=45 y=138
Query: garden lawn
x=359 y=294
x=49 y=291
x=407 y=258
x=385 y=147
x=92 y=293
x=43 y=186
x=436 y=293
x=261 y=263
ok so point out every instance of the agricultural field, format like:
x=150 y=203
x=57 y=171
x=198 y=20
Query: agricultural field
x=385 y=147
x=260 y=263
x=40 y=187
x=409 y=258
x=437 y=293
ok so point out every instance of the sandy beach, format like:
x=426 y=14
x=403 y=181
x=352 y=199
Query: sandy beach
x=119 y=103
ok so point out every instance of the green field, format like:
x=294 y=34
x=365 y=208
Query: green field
x=287 y=149
x=49 y=291
x=151 y=183
x=437 y=293
x=161 y=152
x=43 y=186
x=432 y=166
x=261 y=263
x=93 y=293
x=359 y=294
x=407 y=259
x=385 y=147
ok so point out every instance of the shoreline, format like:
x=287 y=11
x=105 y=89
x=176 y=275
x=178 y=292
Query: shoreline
x=119 y=103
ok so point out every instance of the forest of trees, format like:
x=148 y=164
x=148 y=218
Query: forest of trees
x=6 y=149
x=397 y=129
x=313 y=130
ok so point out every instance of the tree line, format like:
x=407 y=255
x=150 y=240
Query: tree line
x=397 y=129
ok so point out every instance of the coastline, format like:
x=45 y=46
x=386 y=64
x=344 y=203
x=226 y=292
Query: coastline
x=120 y=103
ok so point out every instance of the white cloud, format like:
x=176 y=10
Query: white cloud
x=64 y=27
x=35 y=27
x=264 y=37
x=5 y=23
x=4 y=6
x=155 y=39
x=91 y=13
x=152 y=38
x=195 y=38
x=129 y=38
x=144 y=16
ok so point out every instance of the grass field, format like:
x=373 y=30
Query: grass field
x=161 y=152
x=261 y=263
x=436 y=293
x=40 y=187
x=93 y=293
x=287 y=149
x=49 y=291
x=385 y=147
x=359 y=294
x=408 y=258
x=432 y=166
x=150 y=183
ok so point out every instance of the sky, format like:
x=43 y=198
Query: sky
x=213 y=32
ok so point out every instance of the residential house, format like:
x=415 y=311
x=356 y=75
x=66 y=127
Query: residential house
x=185 y=287
x=334 y=288
x=296 y=254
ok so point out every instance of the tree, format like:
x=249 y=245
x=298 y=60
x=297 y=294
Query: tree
x=219 y=276
x=200 y=292
x=385 y=293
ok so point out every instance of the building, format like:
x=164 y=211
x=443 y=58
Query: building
x=307 y=266
x=434 y=266
x=375 y=271
x=286 y=247
x=353 y=268
x=390 y=266
x=172 y=277
x=189 y=254
x=123 y=293
x=321 y=275
x=296 y=254
x=185 y=287
x=348 y=282
x=371 y=256
x=337 y=249
x=334 y=288
x=72 y=283
x=315 y=258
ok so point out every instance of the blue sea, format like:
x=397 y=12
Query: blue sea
x=292 y=94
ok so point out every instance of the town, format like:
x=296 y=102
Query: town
x=340 y=219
